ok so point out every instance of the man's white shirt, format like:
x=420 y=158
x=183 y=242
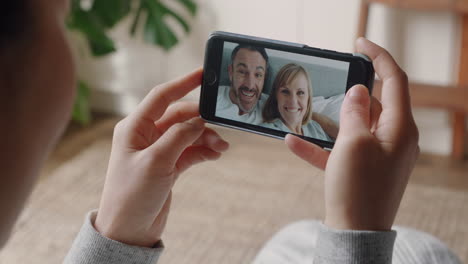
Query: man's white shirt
x=225 y=108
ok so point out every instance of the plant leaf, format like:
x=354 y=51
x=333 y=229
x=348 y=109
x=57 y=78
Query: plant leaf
x=136 y=20
x=88 y=24
x=156 y=30
x=190 y=5
x=81 y=109
x=75 y=4
x=179 y=19
x=110 y=12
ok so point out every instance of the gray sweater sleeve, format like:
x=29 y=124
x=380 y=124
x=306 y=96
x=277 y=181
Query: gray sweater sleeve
x=353 y=247
x=333 y=246
x=91 y=247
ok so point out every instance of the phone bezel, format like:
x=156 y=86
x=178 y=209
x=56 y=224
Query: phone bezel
x=360 y=71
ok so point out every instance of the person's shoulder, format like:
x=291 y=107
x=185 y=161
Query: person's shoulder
x=223 y=99
x=268 y=125
x=223 y=91
x=263 y=98
x=313 y=123
x=278 y=122
x=224 y=87
x=315 y=130
x=261 y=103
x=279 y=125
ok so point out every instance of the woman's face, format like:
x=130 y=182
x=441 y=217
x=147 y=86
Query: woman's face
x=292 y=101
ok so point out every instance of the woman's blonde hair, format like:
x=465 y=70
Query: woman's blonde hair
x=285 y=76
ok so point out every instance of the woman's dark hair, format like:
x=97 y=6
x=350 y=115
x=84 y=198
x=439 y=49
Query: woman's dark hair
x=14 y=18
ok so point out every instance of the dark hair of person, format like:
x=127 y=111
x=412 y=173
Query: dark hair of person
x=285 y=76
x=251 y=48
x=14 y=18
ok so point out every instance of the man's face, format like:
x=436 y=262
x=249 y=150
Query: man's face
x=247 y=75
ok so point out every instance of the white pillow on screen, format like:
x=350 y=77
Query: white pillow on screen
x=328 y=106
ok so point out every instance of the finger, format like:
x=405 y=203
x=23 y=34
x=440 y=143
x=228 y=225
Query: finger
x=194 y=155
x=159 y=98
x=307 y=151
x=395 y=93
x=212 y=140
x=355 y=112
x=375 y=111
x=168 y=148
x=176 y=113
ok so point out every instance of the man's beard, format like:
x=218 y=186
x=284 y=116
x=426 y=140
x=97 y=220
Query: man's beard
x=238 y=95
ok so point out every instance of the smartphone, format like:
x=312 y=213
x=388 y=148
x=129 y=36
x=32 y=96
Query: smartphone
x=273 y=88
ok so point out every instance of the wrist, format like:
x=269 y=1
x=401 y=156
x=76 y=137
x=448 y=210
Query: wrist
x=123 y=234
x=354 y=221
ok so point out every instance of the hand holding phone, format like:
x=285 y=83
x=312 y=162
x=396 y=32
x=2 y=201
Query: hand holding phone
x=368 y=169
x=150 y=148
x=274 y=88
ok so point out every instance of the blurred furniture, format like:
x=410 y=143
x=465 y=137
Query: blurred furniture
x=452 y=98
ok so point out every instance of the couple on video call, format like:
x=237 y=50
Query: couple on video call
x=288 y=107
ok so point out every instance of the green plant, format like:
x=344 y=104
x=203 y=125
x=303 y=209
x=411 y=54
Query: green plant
x=95 y=21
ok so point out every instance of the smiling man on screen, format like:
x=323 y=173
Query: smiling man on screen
x=243 y=100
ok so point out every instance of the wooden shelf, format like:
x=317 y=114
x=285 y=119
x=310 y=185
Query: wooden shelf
x=458 y=6
x=452 y=98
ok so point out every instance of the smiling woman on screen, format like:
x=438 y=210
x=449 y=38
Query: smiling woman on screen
x=289 y=106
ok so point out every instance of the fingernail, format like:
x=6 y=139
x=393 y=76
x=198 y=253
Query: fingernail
x=223 y=145
x=197 y=122
x=218 y=143
x=356 y=93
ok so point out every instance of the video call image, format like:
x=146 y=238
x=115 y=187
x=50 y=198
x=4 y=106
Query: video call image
x=289 y=92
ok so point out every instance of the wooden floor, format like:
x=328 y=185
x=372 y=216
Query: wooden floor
x=430 y=170
x=441 y=171
x=234 y=211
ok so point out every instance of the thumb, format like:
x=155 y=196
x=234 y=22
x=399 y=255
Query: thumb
x=355 y=111
x=170 y=146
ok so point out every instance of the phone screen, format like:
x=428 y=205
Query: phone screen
x=280 y=90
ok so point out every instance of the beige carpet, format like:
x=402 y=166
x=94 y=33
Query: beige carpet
x=223 y=211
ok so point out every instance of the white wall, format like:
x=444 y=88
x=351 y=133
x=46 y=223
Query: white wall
x=425 y=44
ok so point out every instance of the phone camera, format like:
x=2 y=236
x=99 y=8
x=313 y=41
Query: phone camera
x=210 y=77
